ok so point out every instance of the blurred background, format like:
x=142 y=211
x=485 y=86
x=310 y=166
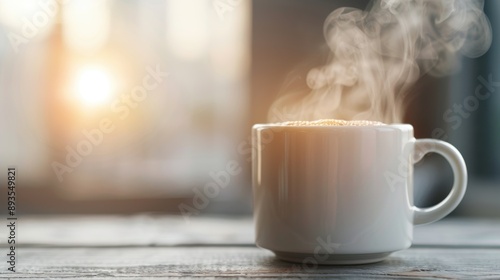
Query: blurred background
x=114 y=106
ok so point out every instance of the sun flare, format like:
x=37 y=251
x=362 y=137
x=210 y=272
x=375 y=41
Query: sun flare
x=94 y=86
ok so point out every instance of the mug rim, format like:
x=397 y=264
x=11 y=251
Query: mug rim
x=401 y=126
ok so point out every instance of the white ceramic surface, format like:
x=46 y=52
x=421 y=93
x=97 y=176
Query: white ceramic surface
x=342 y=194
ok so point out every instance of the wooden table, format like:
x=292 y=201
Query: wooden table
x=146 y=246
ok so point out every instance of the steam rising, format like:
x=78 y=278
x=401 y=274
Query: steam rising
x=377 y=54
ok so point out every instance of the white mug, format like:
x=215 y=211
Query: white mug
x=342 y=194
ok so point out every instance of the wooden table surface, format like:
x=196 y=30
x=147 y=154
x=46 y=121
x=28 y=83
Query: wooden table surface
x=145 y=246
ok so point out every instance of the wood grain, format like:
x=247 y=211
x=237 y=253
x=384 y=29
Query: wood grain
x=145 y=246
x=178 y=262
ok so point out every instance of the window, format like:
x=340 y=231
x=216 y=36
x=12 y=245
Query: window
x=123 y=99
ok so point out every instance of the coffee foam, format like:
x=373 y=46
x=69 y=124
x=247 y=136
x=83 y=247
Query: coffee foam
x=331 y=122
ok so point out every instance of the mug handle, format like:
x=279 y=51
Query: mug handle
x=455 y=159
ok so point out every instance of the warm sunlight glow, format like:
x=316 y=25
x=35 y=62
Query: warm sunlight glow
x=187 y=29
x=94 y=86
x=28 y=19
x=86 y=24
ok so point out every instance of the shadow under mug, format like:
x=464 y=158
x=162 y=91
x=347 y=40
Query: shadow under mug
x=342 y=194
